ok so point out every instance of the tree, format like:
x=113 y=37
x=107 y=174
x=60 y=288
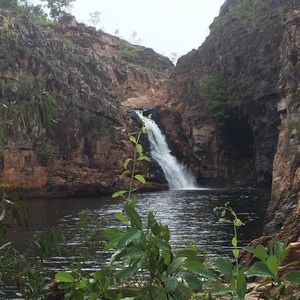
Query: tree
x=95 y=18
x=57 y=7
x=134 y=39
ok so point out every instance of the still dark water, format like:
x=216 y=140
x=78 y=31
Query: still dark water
x=188 y=213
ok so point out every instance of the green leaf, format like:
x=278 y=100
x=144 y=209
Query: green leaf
x=175 y=265
x=249 y=249
x=224 y=266
x=140 y=178
x=64 y=277
x=222 y=220
x=171 y=284
x=219 y=292
x=193 y=281
x=127 y=272
x=167 y=256
x=124 y=174
x=134 y=252
x=93 y=295
x=135 y=219
x=272 y=263
x=283 y=254
x=132 y=139
x=241 y=284
x=100 y=276
x=259 y=269
x=113 y=233
x=197 y=267
x=128 y=237
x=236 y=253
x=122 y=218
x=237 y=222
x=260 y=252
x=190 y=252
x=119 y=194
x=144 y=157
x=139 y=149
x=163 y=245
x=234 y=242
x=126 y=162
x=293 y=277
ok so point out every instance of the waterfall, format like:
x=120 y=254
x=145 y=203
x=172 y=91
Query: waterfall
x=177 y=175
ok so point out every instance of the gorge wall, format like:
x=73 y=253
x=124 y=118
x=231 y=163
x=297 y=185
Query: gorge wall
x=88 y=75
x=254 y=47
x=244 y=48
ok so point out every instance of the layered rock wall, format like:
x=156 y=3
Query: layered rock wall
x=243 y=46
x=89 y=76
x=284 y=208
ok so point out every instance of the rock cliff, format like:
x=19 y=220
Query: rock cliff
x=244 y=48
x=254 y=48
x=88 y=75
x=284 y=208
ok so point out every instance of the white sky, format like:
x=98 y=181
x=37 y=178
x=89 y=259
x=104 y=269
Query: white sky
x=166 y=26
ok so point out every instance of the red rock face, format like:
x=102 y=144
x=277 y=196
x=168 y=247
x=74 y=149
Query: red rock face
x=284 y=207
x=91 y=75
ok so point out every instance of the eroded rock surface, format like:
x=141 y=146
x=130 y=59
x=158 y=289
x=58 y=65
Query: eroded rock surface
x=90 y=76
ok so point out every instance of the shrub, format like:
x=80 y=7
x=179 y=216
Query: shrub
x=214 y=88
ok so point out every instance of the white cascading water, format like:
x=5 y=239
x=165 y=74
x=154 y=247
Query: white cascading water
x=178 y=177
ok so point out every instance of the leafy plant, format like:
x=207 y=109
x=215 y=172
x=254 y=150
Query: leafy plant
x=11 y=212
x=57 y=7
x=268 y=267
x=232 y=272
x=214 y=87
x=26 y=109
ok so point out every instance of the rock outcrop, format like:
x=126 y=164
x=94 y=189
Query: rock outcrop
x=284 y=208
x=255 y=46
x=89 y=76
x=244 y=47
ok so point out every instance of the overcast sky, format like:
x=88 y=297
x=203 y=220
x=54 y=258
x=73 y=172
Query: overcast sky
x=164 y=25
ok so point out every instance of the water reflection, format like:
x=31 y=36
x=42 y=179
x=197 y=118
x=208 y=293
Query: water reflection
x=189 y=214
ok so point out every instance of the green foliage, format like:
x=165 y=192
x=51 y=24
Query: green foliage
x=26 y=269
x=252 y=15
x=214 y=87
x=268 y=267
x=26 y=108
x=31 y=279
x=7 y=36
x=233 y=273
x=44 y=152
x=294 y=124
x=57 y=7
x=33 y=11
x=144 y=58
x=131 y=164
x=11 y=212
